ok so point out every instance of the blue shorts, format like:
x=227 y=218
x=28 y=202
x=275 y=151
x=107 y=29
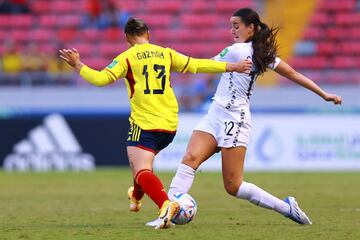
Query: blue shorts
x=153 y=141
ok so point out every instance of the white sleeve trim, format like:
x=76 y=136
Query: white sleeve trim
x=276 y=63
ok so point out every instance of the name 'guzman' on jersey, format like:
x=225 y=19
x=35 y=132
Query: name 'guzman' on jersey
x=146 y=68
x=235 y=89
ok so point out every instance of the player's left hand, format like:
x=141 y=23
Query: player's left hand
x=333 y=98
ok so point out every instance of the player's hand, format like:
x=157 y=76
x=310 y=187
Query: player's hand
x=333 y=98
x=243 y=66
x=72 y=57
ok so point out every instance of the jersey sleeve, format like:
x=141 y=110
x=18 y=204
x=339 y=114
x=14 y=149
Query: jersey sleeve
x=118 y=67
x=115 y=70
x=178 y=61
x=274 y=65
x=227 y=55
x=182 y=63
x=98 y=78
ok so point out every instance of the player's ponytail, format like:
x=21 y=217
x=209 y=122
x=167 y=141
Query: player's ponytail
x=135 y=27
x=263 y=40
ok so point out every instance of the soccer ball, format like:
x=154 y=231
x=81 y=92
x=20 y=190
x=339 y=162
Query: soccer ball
x=187 y=208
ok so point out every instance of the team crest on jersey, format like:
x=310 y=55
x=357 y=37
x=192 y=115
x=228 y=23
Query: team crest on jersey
x=224 y=52
x=111 y=65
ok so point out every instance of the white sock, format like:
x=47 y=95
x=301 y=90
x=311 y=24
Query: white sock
x=182 y=181
x=259 y=197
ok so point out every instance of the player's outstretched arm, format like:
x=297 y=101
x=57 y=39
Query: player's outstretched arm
x=72 y=57
x=287 y=71
x=182 y=63
x=196 y=65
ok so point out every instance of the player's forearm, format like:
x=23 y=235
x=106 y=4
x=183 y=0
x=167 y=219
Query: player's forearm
x=307 y=83
x=205 y=66
x=287 y=71
x=94 y=77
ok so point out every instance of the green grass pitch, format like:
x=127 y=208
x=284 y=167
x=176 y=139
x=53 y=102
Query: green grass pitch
x=94 y=206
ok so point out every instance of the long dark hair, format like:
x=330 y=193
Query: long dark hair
x=135 y=27
x=263 y=41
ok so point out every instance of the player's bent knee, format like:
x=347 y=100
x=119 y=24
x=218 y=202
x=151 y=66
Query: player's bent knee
x=191 y=160
x=232 y=187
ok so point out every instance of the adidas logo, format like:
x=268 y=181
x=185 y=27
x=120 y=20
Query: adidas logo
x=50 y=146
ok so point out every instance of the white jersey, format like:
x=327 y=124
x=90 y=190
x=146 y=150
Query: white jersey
x=235 y=89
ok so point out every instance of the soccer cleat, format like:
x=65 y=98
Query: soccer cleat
x=167 y=211
x=135 y=205
x=296 y=214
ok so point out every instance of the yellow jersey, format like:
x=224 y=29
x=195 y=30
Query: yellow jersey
x=146 y=68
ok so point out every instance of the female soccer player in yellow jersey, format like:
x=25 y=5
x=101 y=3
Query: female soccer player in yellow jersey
x=154 y=109
x=227 y=125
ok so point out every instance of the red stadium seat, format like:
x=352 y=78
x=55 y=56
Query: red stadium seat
x=114 y=34
x=313 y=33
x=199 y=20
x=111 y=50
x=97 y=63
x=171 y=35
x=336 y=5
x=347 y=19
x=90 y=34
x=335 y=33
x=320 y=18
x=85 y=49
x=310 y=62
x=354 y=33
x=350 y=48
x=16 y=21
x=129 y=5
x=42 y=35
x=344 y=62
x=66 y=7
x=3 y=35
x=41 y=6
x=18 y=35
x=163 y=6
x=326 y=48
x=230 y=6
x=157 y=21
x=201 y=6
x=67 y=34
x=51 y=21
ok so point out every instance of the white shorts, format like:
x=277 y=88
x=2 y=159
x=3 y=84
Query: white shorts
x=230 y=128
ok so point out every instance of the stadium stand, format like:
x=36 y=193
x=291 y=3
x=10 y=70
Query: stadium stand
x=198 y=28
x=329 y=51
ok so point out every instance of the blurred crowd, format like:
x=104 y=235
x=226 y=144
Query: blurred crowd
x=29 y=64
x=32 y=66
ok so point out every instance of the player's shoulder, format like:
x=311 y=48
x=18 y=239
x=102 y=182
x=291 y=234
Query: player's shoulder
x=242 y=47
x=235 y=52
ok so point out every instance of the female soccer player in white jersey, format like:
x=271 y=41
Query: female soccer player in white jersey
x=227 y=124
